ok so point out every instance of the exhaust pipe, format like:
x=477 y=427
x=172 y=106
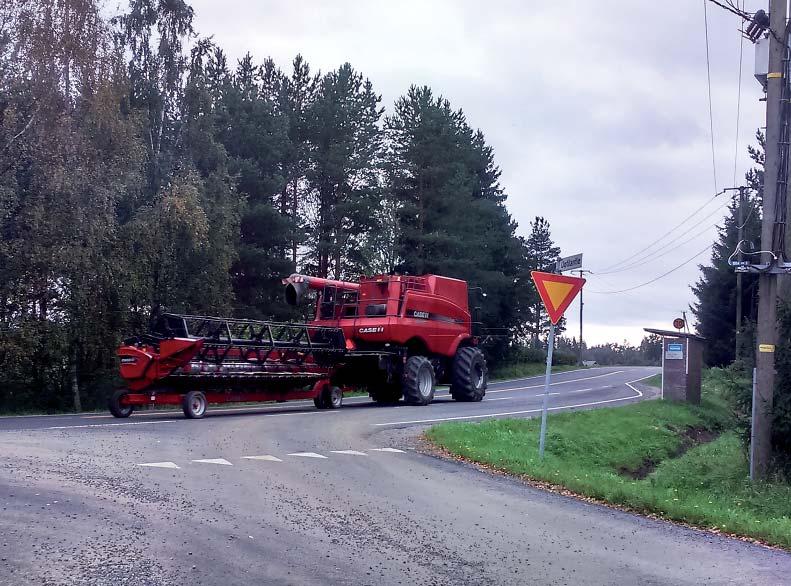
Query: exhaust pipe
x=297 y=285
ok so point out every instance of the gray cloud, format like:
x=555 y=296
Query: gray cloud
x=598 y=112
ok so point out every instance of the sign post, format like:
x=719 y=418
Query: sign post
x=557 y=292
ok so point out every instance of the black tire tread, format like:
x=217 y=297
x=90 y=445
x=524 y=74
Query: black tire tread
x=462 y=386
x=410 y=386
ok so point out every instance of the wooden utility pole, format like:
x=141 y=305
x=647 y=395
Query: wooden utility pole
x=761 y=433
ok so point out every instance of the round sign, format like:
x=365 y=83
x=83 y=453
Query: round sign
x=678 y=323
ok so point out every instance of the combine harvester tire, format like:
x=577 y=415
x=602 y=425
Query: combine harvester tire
x=469 y=375
x=418 y=381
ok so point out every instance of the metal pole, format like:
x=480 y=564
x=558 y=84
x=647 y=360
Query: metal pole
x=766 y=333
x=550 y=348
x=739 y=256
x=580 y=342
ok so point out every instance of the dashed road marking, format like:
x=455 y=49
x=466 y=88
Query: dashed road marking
x=221 y=461
x=308 y=455
x=499 y=399
x=349 y=452
x=266 y=458
x=160 y=465
x=391 y=450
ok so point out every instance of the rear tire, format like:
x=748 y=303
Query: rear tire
x=114 y=404
x=469 y=376
x=194 y=405
x=418 y=381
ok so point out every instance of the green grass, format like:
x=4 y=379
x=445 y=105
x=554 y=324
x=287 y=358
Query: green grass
x=525 y=370
x=653 y=381
x=587 y=452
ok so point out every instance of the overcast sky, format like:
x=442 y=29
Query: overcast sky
x=597 y=111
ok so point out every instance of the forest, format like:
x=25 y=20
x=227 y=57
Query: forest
x=142 y=171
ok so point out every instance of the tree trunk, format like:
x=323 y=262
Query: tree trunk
x=294 y=212
x=73 y=382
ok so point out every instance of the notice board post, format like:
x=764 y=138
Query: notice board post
x=682 y=363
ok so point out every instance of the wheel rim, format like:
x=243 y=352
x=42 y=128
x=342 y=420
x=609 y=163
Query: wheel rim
x=336 y=396
x=479 y=376
x=425 y=382
x=198 y=405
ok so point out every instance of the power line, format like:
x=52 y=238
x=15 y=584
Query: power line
x=662 y=237
x=663 y=249
x=655 y=279
x=669 y=250
x=708 y=80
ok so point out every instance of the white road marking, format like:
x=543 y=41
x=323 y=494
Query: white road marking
x=160 y=465
x=308 y=455
x=267 y=458
x=349 y=452
x=221 y=461
x=392 y=450
x=498 y=399
x=561 y=382
x=504 y=414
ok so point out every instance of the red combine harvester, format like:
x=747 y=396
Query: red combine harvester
x=397 y=336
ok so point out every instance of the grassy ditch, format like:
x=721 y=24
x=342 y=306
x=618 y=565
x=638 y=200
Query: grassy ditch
x=676 y=461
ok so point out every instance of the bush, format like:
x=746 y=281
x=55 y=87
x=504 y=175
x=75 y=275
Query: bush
x=559 y=357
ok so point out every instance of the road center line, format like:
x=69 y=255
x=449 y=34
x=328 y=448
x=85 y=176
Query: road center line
x=523 y=412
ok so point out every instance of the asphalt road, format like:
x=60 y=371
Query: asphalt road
x=286 y=494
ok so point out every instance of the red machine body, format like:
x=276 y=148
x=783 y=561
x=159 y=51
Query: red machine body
x=429 y=312
x=394 y=335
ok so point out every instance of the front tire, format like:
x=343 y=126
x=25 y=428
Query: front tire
x=469 y=376
x=418 y=381
x=194 y=405
x=115 y=406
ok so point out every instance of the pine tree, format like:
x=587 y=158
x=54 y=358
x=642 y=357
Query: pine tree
x=452 y=218
x=345 y=152
x=540 y=254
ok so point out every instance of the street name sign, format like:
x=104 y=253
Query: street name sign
x=569 y=263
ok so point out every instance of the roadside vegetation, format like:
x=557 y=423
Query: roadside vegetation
x=676 y=461
x=653 y=381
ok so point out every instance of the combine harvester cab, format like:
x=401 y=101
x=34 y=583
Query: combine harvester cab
x=396 y=336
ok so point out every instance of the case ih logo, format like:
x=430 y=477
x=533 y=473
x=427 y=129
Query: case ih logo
x=373 y=330
x=420 y=314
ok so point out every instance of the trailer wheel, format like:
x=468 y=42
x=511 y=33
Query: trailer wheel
x=469 y=376
x=418 y=381
x=194 y=405
x=114 y=404
x=330 y=397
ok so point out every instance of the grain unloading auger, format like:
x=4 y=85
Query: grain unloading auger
x=396 y=336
